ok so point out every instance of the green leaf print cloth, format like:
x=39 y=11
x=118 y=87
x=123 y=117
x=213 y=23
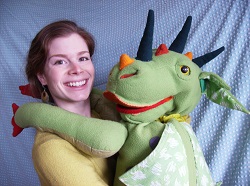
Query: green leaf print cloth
x=177 y=160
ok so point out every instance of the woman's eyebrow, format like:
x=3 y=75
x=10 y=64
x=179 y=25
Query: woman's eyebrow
x=57 y=55
x=83 y=52
x=65 y=56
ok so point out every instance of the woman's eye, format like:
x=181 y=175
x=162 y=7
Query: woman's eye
x=84 y=59
x=60 y=62
x=185 y=70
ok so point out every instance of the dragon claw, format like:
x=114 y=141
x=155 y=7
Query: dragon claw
x=25 y=90
x=16 y=129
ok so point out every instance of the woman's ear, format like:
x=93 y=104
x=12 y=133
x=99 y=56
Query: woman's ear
x=42 y=78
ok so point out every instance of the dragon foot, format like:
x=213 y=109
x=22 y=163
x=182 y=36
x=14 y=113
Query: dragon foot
x=16 y=129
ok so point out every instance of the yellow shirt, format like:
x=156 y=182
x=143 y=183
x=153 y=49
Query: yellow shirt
x=59 y=163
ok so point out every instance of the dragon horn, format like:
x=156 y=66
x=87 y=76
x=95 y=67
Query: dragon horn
x=202 y=60
x=181 y=39
x=144 y=52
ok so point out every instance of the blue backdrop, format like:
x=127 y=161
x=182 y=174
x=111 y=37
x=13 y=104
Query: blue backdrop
x=118 y=26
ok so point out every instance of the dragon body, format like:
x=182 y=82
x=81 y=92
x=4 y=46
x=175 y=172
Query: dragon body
x=167 y=86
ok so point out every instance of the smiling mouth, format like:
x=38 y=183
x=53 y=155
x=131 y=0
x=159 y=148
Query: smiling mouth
x=137 y=110
x=76 y=83
x=125 y=108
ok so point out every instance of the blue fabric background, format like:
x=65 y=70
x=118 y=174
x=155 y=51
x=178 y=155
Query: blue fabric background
x=118 y=26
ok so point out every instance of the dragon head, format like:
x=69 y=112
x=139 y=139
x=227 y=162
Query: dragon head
x=162 y=81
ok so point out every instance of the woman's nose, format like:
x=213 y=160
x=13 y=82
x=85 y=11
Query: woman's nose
x=75 y=68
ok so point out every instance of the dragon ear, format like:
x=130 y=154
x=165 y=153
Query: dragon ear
x=216 y=90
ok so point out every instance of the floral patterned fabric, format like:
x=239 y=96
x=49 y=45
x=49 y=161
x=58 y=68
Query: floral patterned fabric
x=172 y=162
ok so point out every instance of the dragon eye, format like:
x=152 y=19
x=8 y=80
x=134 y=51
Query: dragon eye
x=185 y=70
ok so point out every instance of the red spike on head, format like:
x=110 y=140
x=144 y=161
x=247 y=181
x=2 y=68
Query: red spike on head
x=162 y=49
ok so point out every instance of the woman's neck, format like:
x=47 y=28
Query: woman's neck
x=81 y=108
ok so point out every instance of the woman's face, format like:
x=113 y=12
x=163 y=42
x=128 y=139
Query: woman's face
x=69 y=71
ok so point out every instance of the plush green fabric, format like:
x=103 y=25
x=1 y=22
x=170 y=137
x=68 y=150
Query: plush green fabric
x=88 y=134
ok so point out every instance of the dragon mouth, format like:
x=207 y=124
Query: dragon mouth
x=126 y=108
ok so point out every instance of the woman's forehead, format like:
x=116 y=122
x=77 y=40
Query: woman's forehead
x=73 y=42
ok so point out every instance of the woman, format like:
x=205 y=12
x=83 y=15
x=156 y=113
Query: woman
x=59 y=67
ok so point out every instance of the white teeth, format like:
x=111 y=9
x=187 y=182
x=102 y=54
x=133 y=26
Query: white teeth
x=77 y=84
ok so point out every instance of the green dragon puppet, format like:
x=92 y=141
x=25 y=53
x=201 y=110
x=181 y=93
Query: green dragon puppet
x=154 y=94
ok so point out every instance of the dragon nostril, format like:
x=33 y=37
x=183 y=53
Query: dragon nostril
x=128 y=75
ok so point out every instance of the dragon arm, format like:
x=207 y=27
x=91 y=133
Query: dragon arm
x=96 y=137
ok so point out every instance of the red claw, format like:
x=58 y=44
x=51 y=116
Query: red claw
x=25 y=90
x=16 y=129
